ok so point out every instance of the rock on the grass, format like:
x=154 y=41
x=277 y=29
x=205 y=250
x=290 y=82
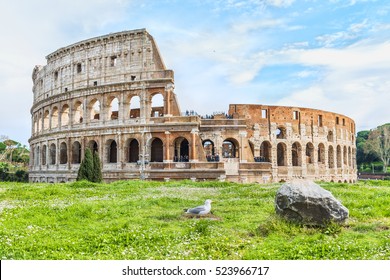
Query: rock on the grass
x=306 y=202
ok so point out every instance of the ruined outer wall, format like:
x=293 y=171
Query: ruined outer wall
x=300 y=142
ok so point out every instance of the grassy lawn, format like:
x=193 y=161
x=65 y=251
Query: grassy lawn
x=144 y=220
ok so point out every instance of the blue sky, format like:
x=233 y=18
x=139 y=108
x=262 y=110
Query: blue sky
x=331 y=55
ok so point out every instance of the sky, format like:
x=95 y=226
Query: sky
x=331 y=55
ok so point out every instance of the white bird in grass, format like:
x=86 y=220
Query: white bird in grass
x=202 y=209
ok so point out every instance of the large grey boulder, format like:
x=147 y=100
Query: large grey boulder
x=306 y=202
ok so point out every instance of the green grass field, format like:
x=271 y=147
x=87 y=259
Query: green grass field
x=144 y=220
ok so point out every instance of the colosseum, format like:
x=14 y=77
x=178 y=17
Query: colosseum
x=115 y=95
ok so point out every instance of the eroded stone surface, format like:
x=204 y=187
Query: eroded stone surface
x=306 y=202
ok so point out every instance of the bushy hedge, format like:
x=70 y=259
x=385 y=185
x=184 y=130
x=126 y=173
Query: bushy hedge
x=18 y=176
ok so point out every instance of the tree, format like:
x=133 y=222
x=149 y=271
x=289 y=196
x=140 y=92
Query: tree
x=86 y=169
x=378 y=143
x=97 y=171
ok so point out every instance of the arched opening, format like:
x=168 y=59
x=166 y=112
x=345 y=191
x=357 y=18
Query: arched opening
x=112 y=153
x=114 y=109
x=54 y=117
x=281 y=132
x=132 y=150
x=157 y=150
x=309 y=153
x=37 y=156
x=65 y=115
x=338 y=156
x=321 y=153
x=94 y=109
x=265 y=152
x=44 y=152
x=93 y=146
x=53 y=152
x=157 y=105
x=78 y=113
x=331 y=157
x=230 y=148
x=281 y=154
x=345 y=156
x=209 y=150
x=296 y=154
x=46 y=124
x=40 y=122
x=76 y=152
x=330 y=136
x=35 y=125
x=63 y=153
x=181 y=150
x=349 y=157
x=135 y=107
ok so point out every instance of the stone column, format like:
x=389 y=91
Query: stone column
x=167 y=102
x=167 y=147
x=194 y=133
x=242 y=156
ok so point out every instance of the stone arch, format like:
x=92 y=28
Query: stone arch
x=112 y=151
x=181 y=149
x=113 y=109
x=35 y=124
x=157 y=150
x=94 y=109
x=281 y=132
x=230 y=148
x=93 y=146
x=157 y=105
x=265 y=151
x=353 y=158
x=309 y=153
x=135 y=107
x=281 y=151
x=78 y=112
x=44 y=154
x=76 y=152
x=46 y=120
x=37 y=156
x=209 y=149
x=40 y=122
x=349 y=157
x=54 y=117
x=63 y=153
x=53 y=154
x=345 y=156
x=338 y=156
x=65 y=115
x=330 y=157
x=296 y=154
x=321 y=153
x=132 y=150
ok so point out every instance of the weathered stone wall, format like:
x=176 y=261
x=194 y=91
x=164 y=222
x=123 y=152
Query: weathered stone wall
x=114 y=95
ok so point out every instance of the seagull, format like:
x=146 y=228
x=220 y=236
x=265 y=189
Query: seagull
x=202 y=209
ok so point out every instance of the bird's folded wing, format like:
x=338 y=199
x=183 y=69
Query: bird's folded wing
x=196 y=210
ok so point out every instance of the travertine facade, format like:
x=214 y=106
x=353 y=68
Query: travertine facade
x=114 y=94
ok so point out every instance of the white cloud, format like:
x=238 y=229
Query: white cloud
x=340 y=37
x=355 y=81
x=280 y=3
x=33 y=29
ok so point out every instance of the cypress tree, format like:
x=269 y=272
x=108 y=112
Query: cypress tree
x=97 y=171
x=86 y=167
